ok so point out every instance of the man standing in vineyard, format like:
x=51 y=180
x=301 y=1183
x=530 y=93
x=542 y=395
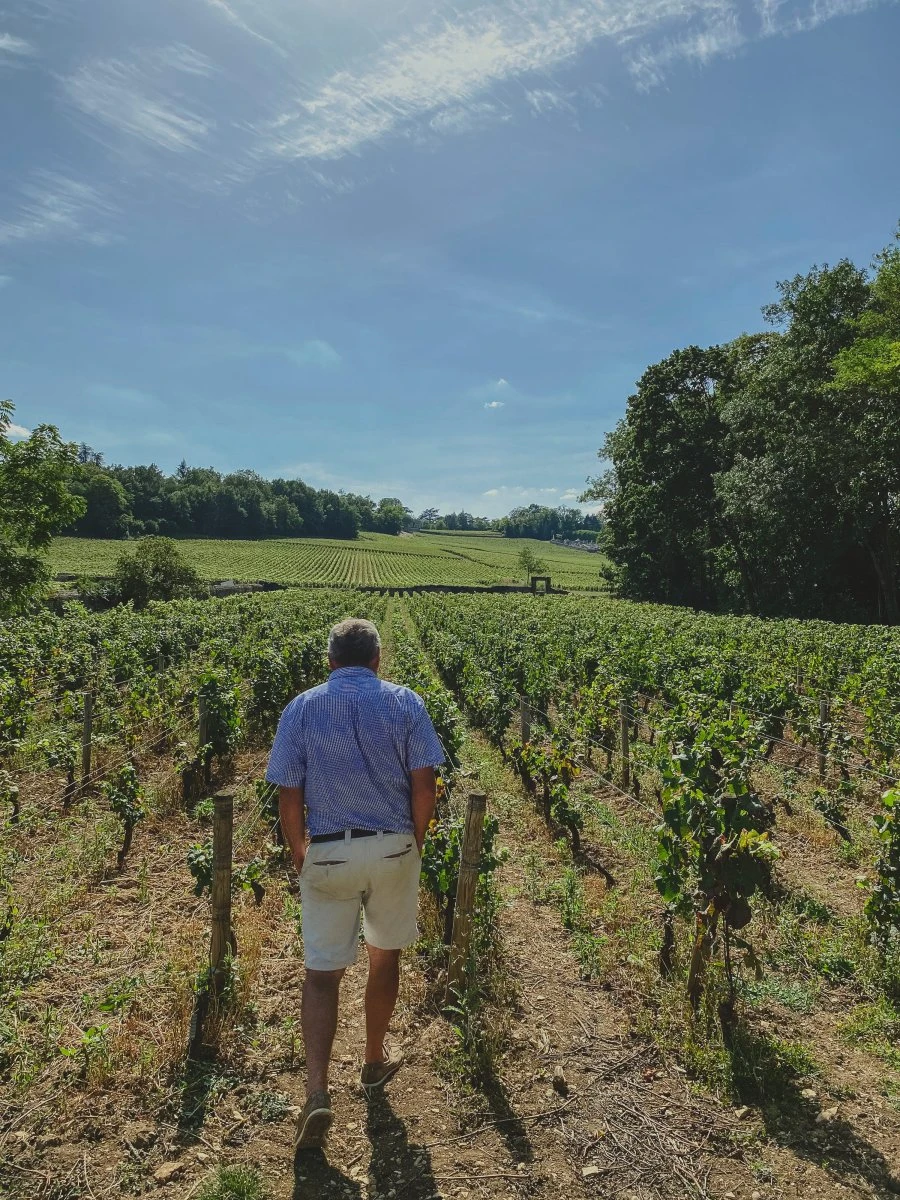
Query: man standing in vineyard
x=354 y=761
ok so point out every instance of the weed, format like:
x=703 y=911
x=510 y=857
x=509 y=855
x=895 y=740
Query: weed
x=234 y=1183
x=268 y=1106
x=876 y=1028
x=798 y=997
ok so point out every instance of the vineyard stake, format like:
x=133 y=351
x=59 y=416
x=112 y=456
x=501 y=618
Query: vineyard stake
x=525 y=719
x=469 y=863
x=624 y=739
x=87 y=735
x=220 y=892
x=823 y=734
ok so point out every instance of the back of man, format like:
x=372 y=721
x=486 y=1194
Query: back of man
x=354 y=760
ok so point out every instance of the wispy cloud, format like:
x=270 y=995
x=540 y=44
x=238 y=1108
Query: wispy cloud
x=233 y=18
x=13 y=49
x=141 y=98
x=17 y=431
x=434 y=69
x=120 y=396
x=53 y=206
x=494 y=394
x=314 y=353
x=511 y=492
x=721 y=35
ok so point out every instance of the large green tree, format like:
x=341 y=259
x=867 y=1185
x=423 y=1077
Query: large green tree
x=35 y=503
x=764 y=475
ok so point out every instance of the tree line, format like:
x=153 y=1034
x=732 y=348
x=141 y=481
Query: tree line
x=763 y=475
x=122 y=501
x=137 y=501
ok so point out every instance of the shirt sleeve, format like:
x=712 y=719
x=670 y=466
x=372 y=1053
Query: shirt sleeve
x=287 y=761
x=423 y=747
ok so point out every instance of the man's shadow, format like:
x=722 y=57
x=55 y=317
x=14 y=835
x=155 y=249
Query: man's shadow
x=397 y=1165
x=316 y=1179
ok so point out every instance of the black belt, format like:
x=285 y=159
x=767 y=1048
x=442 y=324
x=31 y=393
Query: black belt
x=339 y=837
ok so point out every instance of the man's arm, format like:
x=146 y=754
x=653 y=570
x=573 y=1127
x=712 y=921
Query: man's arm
x=423 y=787
x=292 y=814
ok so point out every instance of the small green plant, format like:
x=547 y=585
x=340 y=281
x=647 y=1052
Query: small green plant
x=234 y=1183
x=246 y=877
x=221 y=701
x=713 y=848
x=883 y=905
x=92 y=1048
x=125 y=797
x=9 y=794
x=440 y=862
x=61 y=754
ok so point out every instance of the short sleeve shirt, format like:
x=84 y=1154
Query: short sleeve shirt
x=351 y=743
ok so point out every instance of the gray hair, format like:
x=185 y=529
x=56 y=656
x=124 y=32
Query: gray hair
x=353 y=643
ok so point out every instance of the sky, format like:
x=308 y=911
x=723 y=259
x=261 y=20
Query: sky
x=409 y=247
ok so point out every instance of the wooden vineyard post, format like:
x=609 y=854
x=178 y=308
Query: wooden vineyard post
x=525 y=719
x=823 y=735
x=469 y=862
x=87 y=737
x=220 y=892
x=203 y=735
x=625 y=743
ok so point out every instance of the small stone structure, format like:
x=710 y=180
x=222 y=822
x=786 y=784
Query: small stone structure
x=545 y=580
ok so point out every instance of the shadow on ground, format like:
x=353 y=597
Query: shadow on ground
x=398 y=1166
x=316 y=1179
x=764 y=1078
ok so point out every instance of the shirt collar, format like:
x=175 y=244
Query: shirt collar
x=353 y=673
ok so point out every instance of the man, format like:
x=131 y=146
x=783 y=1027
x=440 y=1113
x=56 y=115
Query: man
x=354 y=761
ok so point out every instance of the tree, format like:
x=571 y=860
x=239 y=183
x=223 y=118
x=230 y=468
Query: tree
x=764 y=475
x=155 y=570
x=529 y=563
x=391 y=515
x=107 y=511
x=428 y=517
x=35 y=503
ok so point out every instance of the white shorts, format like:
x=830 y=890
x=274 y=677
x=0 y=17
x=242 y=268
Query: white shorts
x=378 y=875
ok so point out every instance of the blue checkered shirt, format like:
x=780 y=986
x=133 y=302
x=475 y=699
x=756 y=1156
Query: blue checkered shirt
x=350 y=743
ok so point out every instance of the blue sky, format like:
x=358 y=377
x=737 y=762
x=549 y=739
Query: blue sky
x=409 y=247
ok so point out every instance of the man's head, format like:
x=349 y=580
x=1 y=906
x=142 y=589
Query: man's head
x=354 y=643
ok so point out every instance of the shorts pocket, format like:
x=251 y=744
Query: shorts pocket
x=400 y=854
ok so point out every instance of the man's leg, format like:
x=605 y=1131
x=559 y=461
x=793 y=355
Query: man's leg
x=320 y=1014
x=381 y=996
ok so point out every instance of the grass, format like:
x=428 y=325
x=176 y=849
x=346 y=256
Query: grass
x=875 y=1028
x=234 y=1183
x=373 y=559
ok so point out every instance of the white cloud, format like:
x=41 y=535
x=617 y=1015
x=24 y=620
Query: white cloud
x=521 y=493
x=233 y=18
x=721 y=35
x=53 y=206
x=17 y=431
x=494 y=404
x=120 y=395
x=451 y=64
x=314 y=353
x=12 y=48
x=141 y=97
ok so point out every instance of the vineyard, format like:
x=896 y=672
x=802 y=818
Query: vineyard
x=685 y=971
x=374 y=559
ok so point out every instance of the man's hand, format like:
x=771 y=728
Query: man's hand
x=293 y=823
x=423 y=787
